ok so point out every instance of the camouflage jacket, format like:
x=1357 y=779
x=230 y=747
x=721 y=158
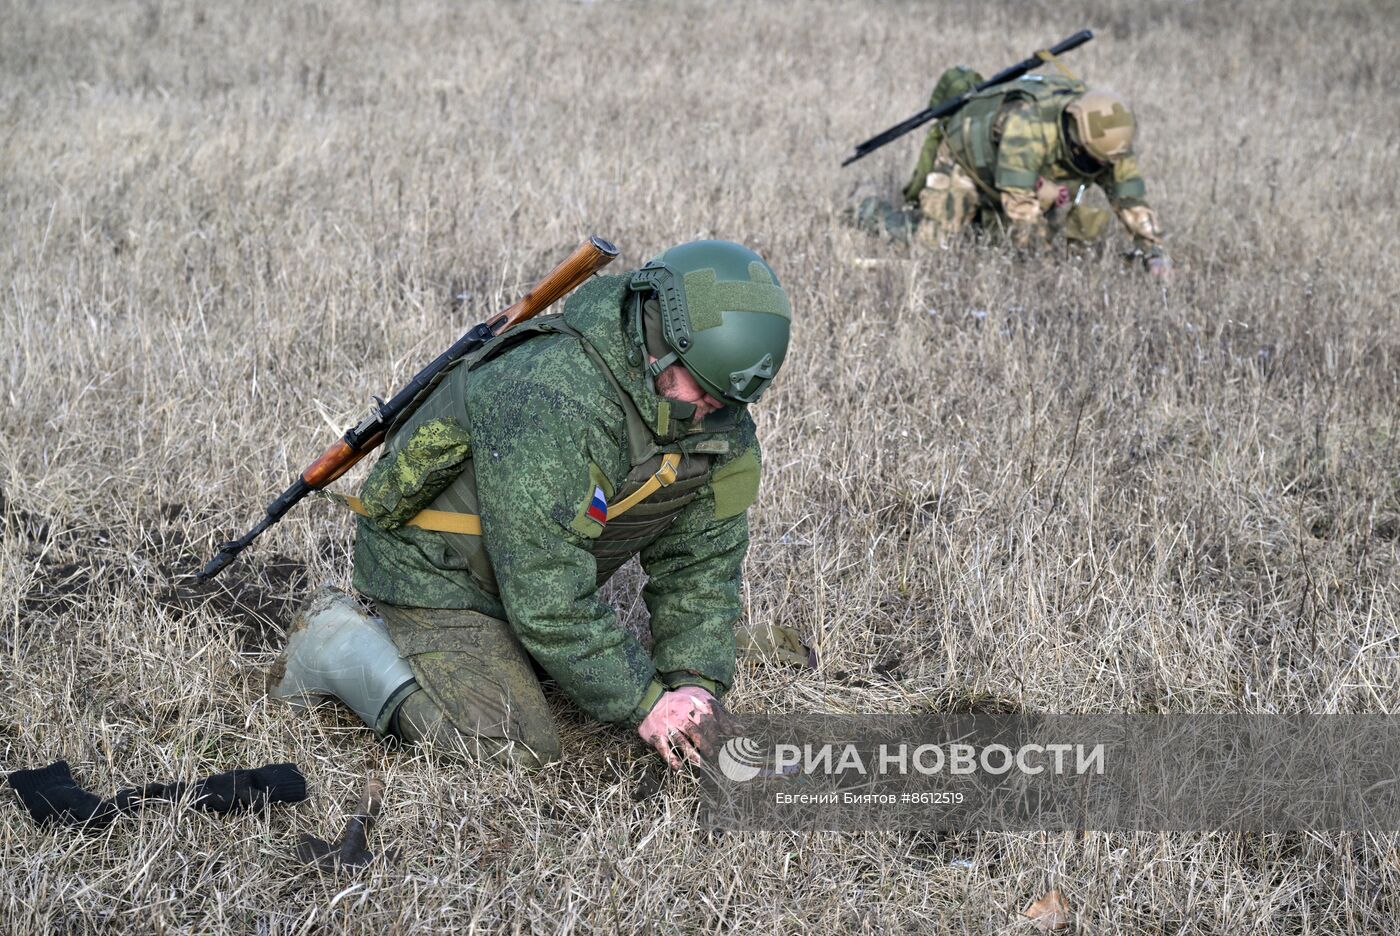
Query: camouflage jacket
x=1011 y=140
x=530 y=438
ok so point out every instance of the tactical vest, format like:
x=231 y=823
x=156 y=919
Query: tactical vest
x=622 y=536
x=975 y=130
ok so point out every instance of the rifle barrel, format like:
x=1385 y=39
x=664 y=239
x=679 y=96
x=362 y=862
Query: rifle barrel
x=944 y=108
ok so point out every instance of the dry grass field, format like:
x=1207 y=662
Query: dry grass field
x=1043 y=486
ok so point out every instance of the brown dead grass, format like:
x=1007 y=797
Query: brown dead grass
x=1048 y=485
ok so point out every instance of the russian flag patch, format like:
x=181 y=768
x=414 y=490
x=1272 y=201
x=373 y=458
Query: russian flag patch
x=598 y=506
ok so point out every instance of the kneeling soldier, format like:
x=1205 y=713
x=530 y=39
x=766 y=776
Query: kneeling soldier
x=534 y=470
x=1023 y=154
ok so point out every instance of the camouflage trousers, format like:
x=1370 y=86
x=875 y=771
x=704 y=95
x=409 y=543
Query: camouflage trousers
x=952 y=201
x=476 y=684
x=877 y=217
x=949 y=201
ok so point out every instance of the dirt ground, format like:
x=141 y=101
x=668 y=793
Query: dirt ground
x=1045 y=485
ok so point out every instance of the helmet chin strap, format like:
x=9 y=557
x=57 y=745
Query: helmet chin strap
x=681 y=411
x=655 y=368
x=646 y=319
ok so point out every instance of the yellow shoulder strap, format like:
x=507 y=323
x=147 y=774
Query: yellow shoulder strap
x=445 y=521
x=1045 y=55
x=664 y=476
x=439 y=521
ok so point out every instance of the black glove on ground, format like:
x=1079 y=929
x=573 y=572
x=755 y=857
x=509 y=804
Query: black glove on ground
x=235 y=790
x=52 y=796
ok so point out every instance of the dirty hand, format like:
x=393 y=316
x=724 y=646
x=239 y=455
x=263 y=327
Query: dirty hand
x=685 y=724
x=1160 y=267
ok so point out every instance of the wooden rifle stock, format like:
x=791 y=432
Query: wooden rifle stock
x=588 y=258
x=337 y=460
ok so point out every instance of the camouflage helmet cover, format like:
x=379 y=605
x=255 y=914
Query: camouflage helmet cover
x=954 y=82
x=1103 y=125
x=724 y=316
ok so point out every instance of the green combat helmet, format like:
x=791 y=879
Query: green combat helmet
x=723 y=316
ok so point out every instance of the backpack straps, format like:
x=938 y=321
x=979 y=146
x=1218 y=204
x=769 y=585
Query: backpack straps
x=640 y=443
x=664 y=476
x=446 y=521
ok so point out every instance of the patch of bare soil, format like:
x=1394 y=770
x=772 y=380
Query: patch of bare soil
x=257 y=598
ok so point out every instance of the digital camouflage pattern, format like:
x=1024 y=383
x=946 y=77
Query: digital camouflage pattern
x=1010 y=144
x=431 y=458
x=542 y=425
x=475 y=680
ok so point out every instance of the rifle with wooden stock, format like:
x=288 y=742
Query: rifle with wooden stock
x=590 y=257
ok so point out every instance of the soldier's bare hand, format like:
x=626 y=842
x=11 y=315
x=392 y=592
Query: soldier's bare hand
x=709 y=734
x=686 y=724
x=1160 y=267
